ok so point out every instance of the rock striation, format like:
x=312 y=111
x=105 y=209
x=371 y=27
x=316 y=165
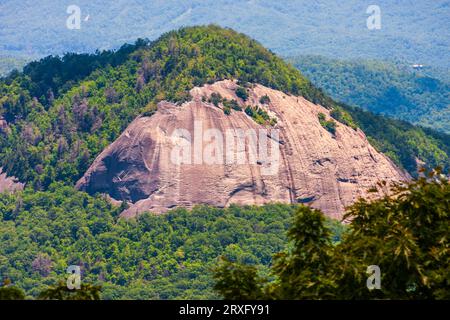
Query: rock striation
x=195 y=153
x=9 y=184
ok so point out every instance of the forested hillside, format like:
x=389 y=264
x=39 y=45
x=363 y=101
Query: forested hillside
x=411 y=147
x=241 y=252
x=62 y=112
x=396 y=90
x=169 y=256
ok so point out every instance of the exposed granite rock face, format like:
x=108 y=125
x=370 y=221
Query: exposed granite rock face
x=4 y=127
x=9 y=184
x=315 y=167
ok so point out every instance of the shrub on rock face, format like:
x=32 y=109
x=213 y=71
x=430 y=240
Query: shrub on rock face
x=233 y=104
x=264 y=99
x=215 y=99
x=330 y=125
x=242 y=93
x=249 y=111
x=343 y=116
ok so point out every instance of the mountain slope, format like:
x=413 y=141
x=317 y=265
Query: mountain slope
x=394 y=90
x=168 y=256
x=60 y=121
x=70 y=121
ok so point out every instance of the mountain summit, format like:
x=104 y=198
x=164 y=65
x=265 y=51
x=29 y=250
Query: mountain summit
x=101 y=118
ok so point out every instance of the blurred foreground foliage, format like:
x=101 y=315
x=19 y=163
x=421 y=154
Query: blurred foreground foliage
x=405 y=233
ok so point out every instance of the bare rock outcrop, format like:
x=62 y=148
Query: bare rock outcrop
x=9 y=184
x=4 y=127
x=196 y=154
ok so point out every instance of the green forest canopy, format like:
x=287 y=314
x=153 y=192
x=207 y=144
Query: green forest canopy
x=185 y=254
x=168 y=256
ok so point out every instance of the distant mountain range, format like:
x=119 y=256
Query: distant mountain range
x=413 y=31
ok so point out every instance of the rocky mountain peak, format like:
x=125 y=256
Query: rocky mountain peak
x=244 y=145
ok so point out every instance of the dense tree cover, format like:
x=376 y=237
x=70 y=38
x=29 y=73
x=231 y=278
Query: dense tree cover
x=52 y=75
x=62 y=292
x=151 y=257
x=409 y=146
x=405 y=234
x=396 y=90
x=330 y=125
x=59 y=119
x=9 y=292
